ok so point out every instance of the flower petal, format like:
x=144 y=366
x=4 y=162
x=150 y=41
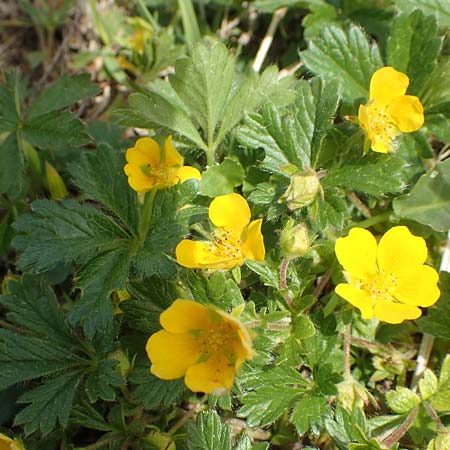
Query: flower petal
x=419 y=287
x=5 y=442
x=400 y=252
x=214 y=374
x=202 y=255
x=231 y=212
x=137 y=158
x=172 y=354
x=406 y=112
x=137 y=180
x=387 y=84
x=171 y=156
x=183 y=316
x=253 y=242
x=187 y=173
x=357 y=297
x=391 y=312
x=357 y=252
x=150 y=148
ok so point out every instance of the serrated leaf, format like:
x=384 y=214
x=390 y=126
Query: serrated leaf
x=50 y=402
x=438 y=8
x=327 y=379
x=87 y=416
x=428 y=202
x=61 y=232
x=100 y=175
x=402 y=400
x=8 y=109
x=374 y=175
x=62 y=93
x=208 y=433
x=310 y=412
x=222 y=178
x=101 y=383
x=345 y=55
x=11 y=167
x=55 y=130
x=413 y=48
x=428 y=384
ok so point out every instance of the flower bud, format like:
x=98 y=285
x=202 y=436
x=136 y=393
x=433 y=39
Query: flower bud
x=294 y=240
x=55 y=183
x=302 y=190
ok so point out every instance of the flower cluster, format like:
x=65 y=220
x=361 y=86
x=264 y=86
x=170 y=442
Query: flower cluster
x=389 y=111
x=205 y=345
x=150 y=167
x=388 y=280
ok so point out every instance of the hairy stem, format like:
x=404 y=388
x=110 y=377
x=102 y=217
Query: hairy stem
x=283 y=283
x=396 y=435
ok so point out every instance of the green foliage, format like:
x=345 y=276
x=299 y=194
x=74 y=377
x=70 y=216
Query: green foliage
x=345 y=55
x=428 y=201
x=438 y=8
x=208 y=433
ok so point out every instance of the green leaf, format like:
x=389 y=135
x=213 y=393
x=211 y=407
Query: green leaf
x=345 y=55
x=85 y=415
x=152 y=392
x=151 y=110
x=208 y=433
x=413 y=48
x=439 y=8
x=222 y=178
x=190 y=24
x=310 y=413
x=428 y=202
x=435 y=322
x=55 y=130
x=402 y=400
x=327 y=379
x=61 y=232
x=11 y=167
x=9 y=115
x=428 y=384
x=100 y=175
x=50 y=402
x=62 y=93
x=375 y=175
x=101 y=382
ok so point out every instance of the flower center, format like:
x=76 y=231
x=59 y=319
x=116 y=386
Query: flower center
x=161 y=175
x=381 y=286
x=225 y=245
x=380 y=125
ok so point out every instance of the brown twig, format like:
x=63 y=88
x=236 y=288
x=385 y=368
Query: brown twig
x=283 y=282
x=323 y=281
x=397 y=434
x=347 y=365
x=363 y=209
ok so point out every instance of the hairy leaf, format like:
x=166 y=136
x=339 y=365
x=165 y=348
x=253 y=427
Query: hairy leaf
x=208 y=433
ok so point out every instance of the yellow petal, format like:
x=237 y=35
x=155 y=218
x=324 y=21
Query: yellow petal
x=137 y=158
x=137 y=180
x=253 y=245
x=231 y=212
x=204 y=255
x=406 y=112
x=172 y=354
x=150 y=148
x=187 y=173
x=5 y=442
x=419 y=287
x=380 y=145
x=215 y=374
x=387 y=84
x=400 y=252
x=391 y=312
x=171 y=156
x=357 y=297
x=363 y=117
x=185 y=315
x=357 y=253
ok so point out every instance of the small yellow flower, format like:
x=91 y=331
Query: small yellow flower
x=389 y=280
x=235 y=238
x=205 y=345
x=149 y=167
x=6 y=443
x=389 y=111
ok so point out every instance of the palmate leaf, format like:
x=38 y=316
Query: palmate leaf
x=292 y=135
x=345 y=55
x=413 y=48
x=48 y=347
x=208 y=433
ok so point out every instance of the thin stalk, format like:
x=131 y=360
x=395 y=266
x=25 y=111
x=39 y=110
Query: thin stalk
x=396 y=435
x=358 y=203
x=283 y=282
x=433 y=414
x=380 y=218
x=426 y=346
x=146 y=214
x=103 y=442
x=347 y=341
x=144 y=12
x=189 y=414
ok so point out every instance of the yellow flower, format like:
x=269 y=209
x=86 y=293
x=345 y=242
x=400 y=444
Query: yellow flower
x=150 y=168
x=389 y=280
x=235 y=238
x=389 y=111
x=205 y=345
x=6 y=443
